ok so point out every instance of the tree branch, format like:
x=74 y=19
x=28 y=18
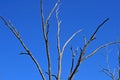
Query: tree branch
x=107 y=70
x=17 y=35
x=93 y=36
x=74 y=53
x=58 y=47
x=58 y=32
x=84 y=49
x=84 y=40
x=45 y=27
x=60 y=53
x=66 y=43
x=52 y=75
x=51 y=12
x=99 y=48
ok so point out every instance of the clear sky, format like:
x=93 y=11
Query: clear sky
x=74 y=14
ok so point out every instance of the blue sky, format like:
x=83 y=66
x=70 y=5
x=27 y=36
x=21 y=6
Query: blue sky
x=74 y=14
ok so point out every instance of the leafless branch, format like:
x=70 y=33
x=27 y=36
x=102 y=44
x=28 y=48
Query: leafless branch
x=74 y=53
x=108 y=71
x=52 y=75
x=51 y=12
x=84 y=49
x=99 y=48
x=45 y=27
x=23 y=53
x=42 y=15
x=84 y=40
x=66 y=43
x=17 y=35
x=73 y=56
x=58 y=32
x=115 y=74
x=93 y=36
x=58 y=47
x=60 y=52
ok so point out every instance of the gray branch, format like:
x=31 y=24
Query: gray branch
x=17 y=35
x=58 y=47
x=99 y=48
x=66 y=43
x=45 y=28
x=60 y=52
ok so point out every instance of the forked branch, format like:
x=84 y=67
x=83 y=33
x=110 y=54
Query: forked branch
x=60 y=52
x=51 y=12
x=45 y=28
x=74 y=53
x=84 y=49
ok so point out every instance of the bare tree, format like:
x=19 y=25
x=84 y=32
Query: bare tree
x=45 y=27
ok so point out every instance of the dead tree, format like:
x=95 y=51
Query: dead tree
x=45 y=28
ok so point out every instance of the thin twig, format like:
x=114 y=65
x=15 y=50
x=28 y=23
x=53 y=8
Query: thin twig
x=17 y=35
x=51 y=12
x=74 y=53
x=52 y=75
x=58 y=32
x=108 y=71
x=84 y=40
x=99 y=48
x=66 y=43
x=73 y=56
x=58 y=47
